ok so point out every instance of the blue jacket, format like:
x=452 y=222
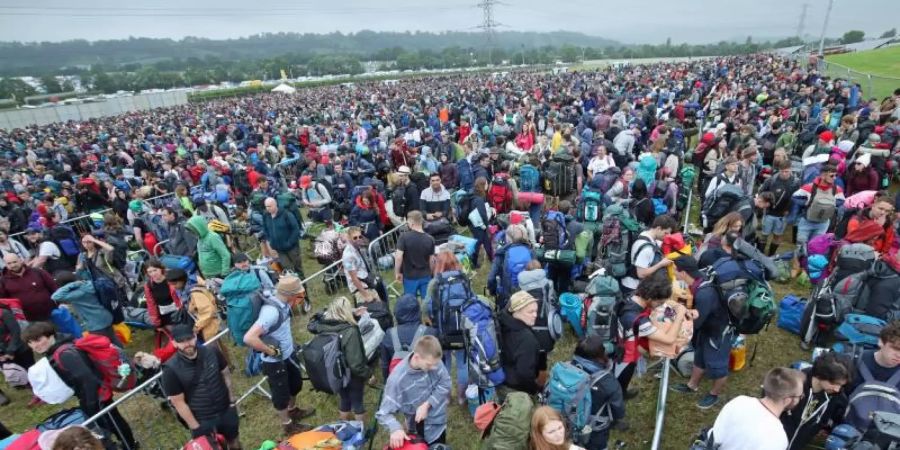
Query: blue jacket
x=282 y=232
x=83 y=296
x=466 y=175
x=408 y=319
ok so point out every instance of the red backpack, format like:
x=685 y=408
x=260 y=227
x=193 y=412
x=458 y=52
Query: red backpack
x=500 y=195
x=14 y=306
x=106 y=359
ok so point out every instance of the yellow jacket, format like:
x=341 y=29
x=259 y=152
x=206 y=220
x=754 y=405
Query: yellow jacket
x=203 y=308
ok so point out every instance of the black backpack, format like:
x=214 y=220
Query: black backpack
x=398 y=200
x=464 y=207
x=560 y=178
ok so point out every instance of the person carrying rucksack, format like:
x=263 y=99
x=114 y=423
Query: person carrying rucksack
x=820 y=201
x=534 y=281
x=271 y=335
x=202 y=307
x=405 y=196
x=408 y=327
x=82 y=295
x=418 y=388
x=821 y=401
x=782 y=185
x=341 y=319
x=519 y=346
x=876 y=381
x=47 y=255
x=281 y=232
x=478 y=218
x=82 y=374
x=645 y=255
x=197 y=382
x=509 y=262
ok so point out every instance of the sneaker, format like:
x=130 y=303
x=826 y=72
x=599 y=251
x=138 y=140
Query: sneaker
x=298 y=414
x=294 y=427
x=683 y=388
x=708 y=401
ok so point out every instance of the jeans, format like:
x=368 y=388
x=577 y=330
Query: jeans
x=807 y=230
x=416 y=286
x=462 y=366
x=484 y=240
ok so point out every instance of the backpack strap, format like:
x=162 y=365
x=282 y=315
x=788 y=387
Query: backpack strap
x=282 y=316
x=867 y=373
x=395 y=340
x=603 y=417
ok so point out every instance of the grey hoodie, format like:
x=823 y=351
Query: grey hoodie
x=407 y=389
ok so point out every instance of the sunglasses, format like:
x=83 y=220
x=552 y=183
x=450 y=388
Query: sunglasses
x=356 y=238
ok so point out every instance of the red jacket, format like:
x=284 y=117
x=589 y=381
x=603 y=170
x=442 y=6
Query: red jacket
x=34 y=288
x=153 y=309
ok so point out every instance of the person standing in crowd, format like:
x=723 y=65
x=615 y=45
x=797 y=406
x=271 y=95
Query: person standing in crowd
x=821 y=402
x=405 y=197
x=729 y=176
x=281 y=232
x=408 y=328
x=820 y=201
x=32 y=286
x=883 y=363
x=446 y=265
x=518 y=345
x=365 y=214
x=606 y=392
x=78 y=372
x=341 y=319
x=435 y=201
x=881 y=213
x=782 y=185
x=418 y=388
x=214 y=258
x=271 y=335
x=197 y=382
x=749 y=423
x=620 y=191
x=478 y=221
x=414 y=257
x=646 y=255
x=162 y=300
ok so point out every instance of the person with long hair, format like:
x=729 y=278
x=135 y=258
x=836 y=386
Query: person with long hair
x=732 y=222
x=620 y=190
x=446 y=265
x=364 y=214
x=641 y=203
x=162 y=300
x=548 y=431
x=340 y=318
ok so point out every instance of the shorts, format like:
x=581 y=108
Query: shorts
x=226 y=424
x=285 y=382
x=773 y=225
x=714 y=361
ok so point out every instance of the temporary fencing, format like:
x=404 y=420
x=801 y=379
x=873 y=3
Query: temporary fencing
x=289 y=170
x=381 y=255
x=873 y=85
x=145 y=408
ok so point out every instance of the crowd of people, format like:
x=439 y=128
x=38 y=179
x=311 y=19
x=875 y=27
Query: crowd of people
x=573 y=185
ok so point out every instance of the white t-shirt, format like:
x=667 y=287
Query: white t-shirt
x=745 y=424
x=642 y=259
x=49 y=250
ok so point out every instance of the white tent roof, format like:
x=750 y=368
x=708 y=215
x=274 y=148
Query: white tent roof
x=287 y=89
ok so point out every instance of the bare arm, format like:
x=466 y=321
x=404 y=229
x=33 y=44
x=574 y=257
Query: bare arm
x=226 y=375
x=184 y=411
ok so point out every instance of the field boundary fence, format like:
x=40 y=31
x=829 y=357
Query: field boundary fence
x=870 y=83
x=160 y=431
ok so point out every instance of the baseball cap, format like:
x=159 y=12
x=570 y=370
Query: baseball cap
x=305 y=181
x=826 y=135
x=182 y=332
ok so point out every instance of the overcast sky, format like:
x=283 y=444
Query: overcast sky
x=629 y=21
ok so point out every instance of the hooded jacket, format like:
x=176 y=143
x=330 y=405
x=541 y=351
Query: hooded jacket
x=202 y=306
x=181 y=241
x=83 y=296
x=802 y=425
x=34 y=288
x=282 y=232
x=406 y=389
x=351 y=344
x=519 y=350
x=408 y=317
x=212 y=254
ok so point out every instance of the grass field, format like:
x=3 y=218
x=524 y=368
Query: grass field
x=883 y=64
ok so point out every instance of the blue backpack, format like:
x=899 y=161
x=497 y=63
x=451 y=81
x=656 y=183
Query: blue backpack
x=517 y=258
x=790 y=313
x=591 y=206
x=482 y=343
x=529 y=179
x=243 y=294
x=64 y=237
x=860 y=330
x=453 y=294
x=604 y=180
x=568 y=390
x=570 y=307
x=65 y=322
x=659 y=206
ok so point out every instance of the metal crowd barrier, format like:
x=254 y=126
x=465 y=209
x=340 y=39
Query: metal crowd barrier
x=288 y=170
x=380 y=249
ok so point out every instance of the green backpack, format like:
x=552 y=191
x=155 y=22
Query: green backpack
x=688 y=174
x=511 y=427
x=584 y=243
x=288 y=202
x=760 y=308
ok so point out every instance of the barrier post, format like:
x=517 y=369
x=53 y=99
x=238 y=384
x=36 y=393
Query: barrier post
x=661 y=404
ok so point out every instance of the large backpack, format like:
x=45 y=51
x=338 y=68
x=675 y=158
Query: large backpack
x=559 y=178
x=860 y=330
x=554 y=232
x=529 y=179
x=398 y=200
x=515 y=261
x=482 y=344
x=603 y=181
x=548 y=325
x=599 y=317
x=64 y=237
x=872 y=396
x=616 y=236
x=725 y=199
x=821 y=206
x=288 y=202
x=590 y=207
x=511 y=426
x=500 y=195
x=743 y=292
x=569 y=391
x=453 y=293
x=106 y=359
x=853 y=258
x=243 y=294
x=14 y=306
x=325 y=364
x=464 y=207
x=852 y=292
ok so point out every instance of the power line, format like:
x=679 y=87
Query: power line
x=488 y=24
x=802 y=21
